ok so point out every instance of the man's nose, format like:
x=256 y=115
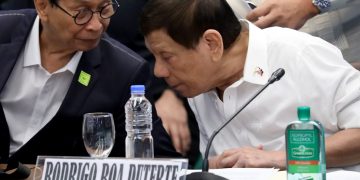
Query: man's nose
x=160 y=70
x=95 y=23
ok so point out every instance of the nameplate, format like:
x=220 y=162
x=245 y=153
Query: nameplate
x=113 y=169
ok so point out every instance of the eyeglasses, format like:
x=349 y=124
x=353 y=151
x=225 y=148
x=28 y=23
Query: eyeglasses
x=84 y=15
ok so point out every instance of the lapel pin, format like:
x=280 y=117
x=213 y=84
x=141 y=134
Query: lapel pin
x=258 y=71
x=84 y=78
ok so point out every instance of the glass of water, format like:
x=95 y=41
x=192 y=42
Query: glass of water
x=98 y=134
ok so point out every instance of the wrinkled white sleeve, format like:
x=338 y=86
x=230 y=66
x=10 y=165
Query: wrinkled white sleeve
x=337 y=84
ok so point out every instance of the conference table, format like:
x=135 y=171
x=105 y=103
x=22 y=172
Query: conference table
x=332 y=174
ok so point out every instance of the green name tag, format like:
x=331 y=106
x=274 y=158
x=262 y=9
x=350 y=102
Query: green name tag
x=84 y=78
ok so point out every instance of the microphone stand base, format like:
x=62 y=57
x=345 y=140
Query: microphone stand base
x=204 y=176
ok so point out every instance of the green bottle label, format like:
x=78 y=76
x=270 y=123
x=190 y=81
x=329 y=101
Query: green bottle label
x=303 y=151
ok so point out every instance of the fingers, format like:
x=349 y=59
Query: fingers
x=262 y=16
x=181 y=138
x=249 y=157
x=213 y=161
x=229 y=161
x=283 y=13
x=266 y=21
x=166 y=127
x=249 y=160
x=258 y=12
x=258 y=158
x=174 y=134
x=241 y=157
x=228 y=158
x=174 y=116
x=185 y=136
x=217 y=162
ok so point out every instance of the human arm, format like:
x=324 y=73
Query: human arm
x=174 y=116
x=284 y=13
x=249 y=157
x=341 y=150
x=291 y=14
x=356 y=65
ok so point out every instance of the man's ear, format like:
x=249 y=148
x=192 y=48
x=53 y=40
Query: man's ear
x=41 y=8
x=214 y=41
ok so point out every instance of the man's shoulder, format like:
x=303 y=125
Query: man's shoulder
x=291 y=37
x=12 y=15
x=15 y=19
x=289 y=41
x=281 y=34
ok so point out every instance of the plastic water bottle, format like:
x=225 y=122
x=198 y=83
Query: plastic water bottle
x=139 y=142
x=305 y=148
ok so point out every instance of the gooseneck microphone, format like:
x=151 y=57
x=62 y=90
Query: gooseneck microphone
x=205 y=175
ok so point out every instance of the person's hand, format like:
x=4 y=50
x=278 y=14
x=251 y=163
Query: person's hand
x=356 y=65
x=285 y=13
x=174 y=117
x=249 y=157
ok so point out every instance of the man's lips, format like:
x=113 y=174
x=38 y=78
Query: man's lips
x=92 y=39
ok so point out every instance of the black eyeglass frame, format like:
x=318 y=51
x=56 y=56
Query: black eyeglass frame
x=92 y=12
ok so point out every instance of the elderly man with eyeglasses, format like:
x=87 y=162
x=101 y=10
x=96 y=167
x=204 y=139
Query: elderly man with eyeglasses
x=56 y=65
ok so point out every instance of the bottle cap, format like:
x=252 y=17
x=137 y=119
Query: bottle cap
x=303 y=113
x=137 y=89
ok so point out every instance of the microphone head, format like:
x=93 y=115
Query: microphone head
x=277 y=75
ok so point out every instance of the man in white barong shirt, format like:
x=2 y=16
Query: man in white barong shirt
x=206 y=54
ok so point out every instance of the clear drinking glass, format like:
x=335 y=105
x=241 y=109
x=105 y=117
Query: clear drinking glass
x=98 y=134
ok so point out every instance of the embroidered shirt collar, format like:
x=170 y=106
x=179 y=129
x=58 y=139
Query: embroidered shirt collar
x=256 y=68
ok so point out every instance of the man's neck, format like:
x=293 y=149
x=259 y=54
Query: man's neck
x=234 y=62
x=54 y=56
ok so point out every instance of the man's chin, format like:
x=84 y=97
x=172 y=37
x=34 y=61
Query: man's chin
x=191 y=94
x=86 y=45
x=187 y=94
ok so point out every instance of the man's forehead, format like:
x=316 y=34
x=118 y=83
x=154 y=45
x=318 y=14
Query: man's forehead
x=86 y=1
x=79 y=1
x=158 y=39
